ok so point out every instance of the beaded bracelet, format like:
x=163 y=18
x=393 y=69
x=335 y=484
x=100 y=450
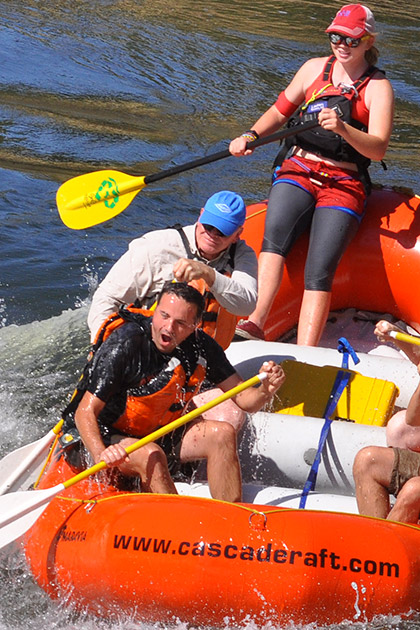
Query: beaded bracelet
x=251 y=134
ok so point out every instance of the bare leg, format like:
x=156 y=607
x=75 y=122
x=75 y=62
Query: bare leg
x=270 y=274
x=407 y=506
x=313 y=317
x=372 y=475
x=227 y=411
x=150 y=464
x=216 y=442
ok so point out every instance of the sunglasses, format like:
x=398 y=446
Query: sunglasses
x=351 y=42
x=213 y=230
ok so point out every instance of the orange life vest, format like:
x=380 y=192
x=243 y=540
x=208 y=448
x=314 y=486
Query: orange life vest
x=145 y=413
x=158 y=400
x=216 y=320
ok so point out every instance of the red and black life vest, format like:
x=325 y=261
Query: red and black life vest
x=324 y=142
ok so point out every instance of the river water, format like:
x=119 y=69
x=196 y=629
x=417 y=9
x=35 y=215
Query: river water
x=137 y=85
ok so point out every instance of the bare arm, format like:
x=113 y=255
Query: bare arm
x=273 y=119
x=412 y=415
x=254 y=398
x=374 y=142
x=269 y=122
x=86 y=418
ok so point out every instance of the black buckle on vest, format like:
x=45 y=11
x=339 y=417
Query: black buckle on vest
x=337 y=108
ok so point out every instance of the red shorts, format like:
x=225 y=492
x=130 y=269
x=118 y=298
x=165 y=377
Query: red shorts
x=330 y=186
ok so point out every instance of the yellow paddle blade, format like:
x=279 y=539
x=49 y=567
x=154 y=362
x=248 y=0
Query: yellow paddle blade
x=96 y=197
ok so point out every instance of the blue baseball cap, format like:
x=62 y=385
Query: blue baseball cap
x=225 y=211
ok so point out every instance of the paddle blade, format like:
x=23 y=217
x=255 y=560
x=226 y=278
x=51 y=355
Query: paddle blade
x=93 y=198
x=22 y=467
x=20 y=510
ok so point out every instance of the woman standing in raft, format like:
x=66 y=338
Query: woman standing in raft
x=323 y=182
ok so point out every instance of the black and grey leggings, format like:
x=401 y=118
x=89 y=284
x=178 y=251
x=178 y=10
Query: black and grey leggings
x=290 y=212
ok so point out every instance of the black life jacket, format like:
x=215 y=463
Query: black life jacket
x=323 y=141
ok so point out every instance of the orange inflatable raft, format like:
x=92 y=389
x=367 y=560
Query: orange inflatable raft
x=164 y=558
x=201 y=561
x=377 y=272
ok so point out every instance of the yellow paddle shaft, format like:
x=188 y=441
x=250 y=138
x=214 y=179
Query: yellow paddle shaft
x=400 y=336
x=171 y=426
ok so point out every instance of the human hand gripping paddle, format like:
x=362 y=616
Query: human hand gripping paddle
x=93 y=198
x=20 y=510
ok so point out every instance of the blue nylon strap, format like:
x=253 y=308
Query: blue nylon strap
x=347 y=349
x=340 y=383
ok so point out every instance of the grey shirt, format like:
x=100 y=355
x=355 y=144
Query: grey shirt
x=148 y=263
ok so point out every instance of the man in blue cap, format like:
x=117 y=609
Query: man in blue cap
x=209 y=254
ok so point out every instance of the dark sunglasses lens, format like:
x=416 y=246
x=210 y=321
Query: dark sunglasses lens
x=351 y=42
x=211 y=229
x=335 y=38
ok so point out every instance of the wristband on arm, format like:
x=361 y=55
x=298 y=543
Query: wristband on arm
x=250 y=135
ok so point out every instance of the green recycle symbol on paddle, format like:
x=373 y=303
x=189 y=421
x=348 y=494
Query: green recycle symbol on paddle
x=108 y=193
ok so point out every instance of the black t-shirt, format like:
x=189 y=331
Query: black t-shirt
x=128 y=358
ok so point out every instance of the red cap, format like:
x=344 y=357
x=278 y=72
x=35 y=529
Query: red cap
x=353 y=20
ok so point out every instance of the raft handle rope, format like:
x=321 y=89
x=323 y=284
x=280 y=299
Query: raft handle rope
x=340 y=383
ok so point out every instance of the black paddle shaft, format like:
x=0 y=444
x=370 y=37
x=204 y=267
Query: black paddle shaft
x=278 y=135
